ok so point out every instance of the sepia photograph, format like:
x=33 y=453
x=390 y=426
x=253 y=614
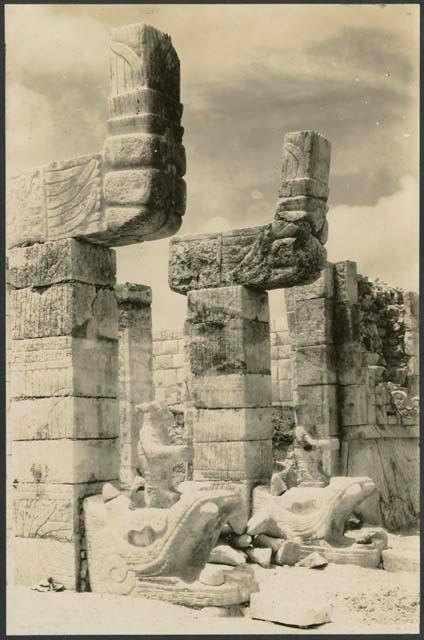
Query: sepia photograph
x=212 y=319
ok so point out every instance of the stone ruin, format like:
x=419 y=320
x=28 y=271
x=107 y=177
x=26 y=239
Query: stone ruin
x=94 y=456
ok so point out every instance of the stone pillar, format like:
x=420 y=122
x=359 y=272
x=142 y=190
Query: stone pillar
x=135 y=370
x=310 y=318
x=64 y=407
x=228 y=348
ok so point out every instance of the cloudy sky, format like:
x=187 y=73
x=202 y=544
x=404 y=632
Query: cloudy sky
x=250 y=73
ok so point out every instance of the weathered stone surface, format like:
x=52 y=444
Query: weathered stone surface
x=232 y=391
x=315 y=365
x=317 y=407
x=245 y=460
x=273 y=604
x=65 y=461
x=41 y=557
x=66 y=309
x=49 y=510
x=158 y=455
x=42 y=265
x=229 y=424
x=227 y=303
x=212 y=576
x=314 y=322
x=323 y=287
x=64 y=417
x=288 y=553
x=401 y=559
x=64 y=366
x=346 y=282
x=224 y=554
x=255 y=257
x=346 y=323
x=298 y=210
x=353 y=405
x=306 y=164
x=77 y=198
x=350 y=363
x=135 y=295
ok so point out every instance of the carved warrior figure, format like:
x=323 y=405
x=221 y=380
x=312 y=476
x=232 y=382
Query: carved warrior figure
x=133 y=190
x=158 y=455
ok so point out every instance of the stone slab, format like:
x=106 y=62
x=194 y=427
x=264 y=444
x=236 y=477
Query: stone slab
x=144 y=150
x=63 y=417
x=65 y=309
x=245 y=460
x=231 y=391
x=225 y=303
x=254 y=257
x=63 y=366
x=65 y=461
x=315 y=365
x=41 y=265
x=306 y=156
x=226 y=425
x=287 y=607
x=50 y=511
x=401 y=560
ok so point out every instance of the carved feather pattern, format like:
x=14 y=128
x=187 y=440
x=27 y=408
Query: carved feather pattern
x=73 y=195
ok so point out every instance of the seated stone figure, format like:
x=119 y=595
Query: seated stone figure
x=158 y=455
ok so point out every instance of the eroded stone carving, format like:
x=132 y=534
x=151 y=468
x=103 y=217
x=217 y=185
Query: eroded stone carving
x=158 y=455
x=160 y=553
x=133 y=190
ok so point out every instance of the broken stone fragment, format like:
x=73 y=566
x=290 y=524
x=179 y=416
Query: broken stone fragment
x=313 y=561
x=288 y=553
x=224 y=554
x=264 y=541
x=240 y=542
x=260 y=556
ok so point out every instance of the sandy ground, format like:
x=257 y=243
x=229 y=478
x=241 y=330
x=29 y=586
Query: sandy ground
x=364 y=601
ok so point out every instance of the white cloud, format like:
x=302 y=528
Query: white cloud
x=383 y=239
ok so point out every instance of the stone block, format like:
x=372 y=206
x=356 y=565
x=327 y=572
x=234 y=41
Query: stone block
x=284 y=352
x=65 y=461
x=164 y=361
x=253 y=257
x=225 y=425
x=235 y=345
x=287 y=607
x=63 y=417
x=306 y=161
x=64 y=366
x=315 y=365
x=49 y=511
x=323 y=287
x=170 y=347
x=314 y=322
x=284 y=369
x=411 y=303
x=297 y=209
x=37 y=557
x=227 y=303
x=232 y=391
x=63 y=310
x=411 y=343
x=41 y=265
x=285 y=391
x=401 y=559
x=346 y=282
x=283 y=338
x=353 y=405
x=245 y=460
x=135 y=295
x=317 y=407
x=143 y=150
x=350 y=363
x=178 y=360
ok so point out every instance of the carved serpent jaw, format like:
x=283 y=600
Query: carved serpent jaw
x=311 y=512
x=170 y=542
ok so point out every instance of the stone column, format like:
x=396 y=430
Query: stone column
x=135 y=370
x=64 y=408
x=228 y=344
x=310 y=317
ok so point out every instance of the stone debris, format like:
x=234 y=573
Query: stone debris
x=240 y=542
x=48 y=585
x=313 y=561
x=262 y=540
x=224 y=554
x=288 y=553
x=214 y=576
x=260 y=556
x=280 y=605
